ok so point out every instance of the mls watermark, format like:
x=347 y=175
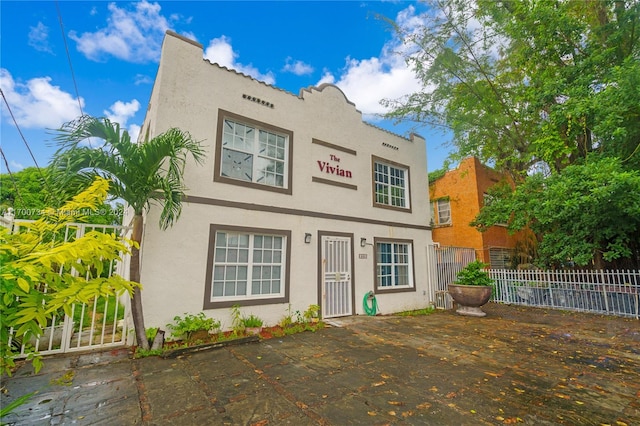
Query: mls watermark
x=26 y=212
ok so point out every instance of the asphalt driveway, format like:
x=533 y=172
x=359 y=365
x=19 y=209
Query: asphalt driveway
x=516 y=366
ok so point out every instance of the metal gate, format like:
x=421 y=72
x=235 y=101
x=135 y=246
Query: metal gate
x=337 y=284
x=101 y=323
x=445 y=263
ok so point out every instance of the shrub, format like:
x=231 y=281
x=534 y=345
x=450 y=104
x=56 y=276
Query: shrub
x=184 y=327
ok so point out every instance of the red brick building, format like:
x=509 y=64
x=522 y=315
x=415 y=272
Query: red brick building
x=456 y=199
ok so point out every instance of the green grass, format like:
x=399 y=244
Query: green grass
x=424 y=311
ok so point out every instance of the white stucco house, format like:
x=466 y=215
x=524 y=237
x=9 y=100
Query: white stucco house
x=299 y=201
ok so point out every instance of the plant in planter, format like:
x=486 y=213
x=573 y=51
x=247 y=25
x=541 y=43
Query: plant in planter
x=252 y=324
x=312 y=314
x=471 y=289
x=193 y=327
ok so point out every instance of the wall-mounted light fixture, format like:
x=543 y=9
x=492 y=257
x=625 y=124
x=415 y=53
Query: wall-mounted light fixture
x=307 y=238
x=363 y=242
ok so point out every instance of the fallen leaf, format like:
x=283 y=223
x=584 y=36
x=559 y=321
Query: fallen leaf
x=391 y=413
x=488 y=373
x=398 y=403
x=385 y=376
x=563 y=396
x=371 y=413
x=423 y=406
x=378 y=384
x=518 y=390
x=433 y=389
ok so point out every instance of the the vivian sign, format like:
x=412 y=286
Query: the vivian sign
x=332 y=168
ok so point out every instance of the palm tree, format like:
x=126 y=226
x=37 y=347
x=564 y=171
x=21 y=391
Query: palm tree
x=141 y=174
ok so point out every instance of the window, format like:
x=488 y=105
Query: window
x=253 y=154
x=441 y=212
x=246 y=265
x=394 y=265
x=391 y=185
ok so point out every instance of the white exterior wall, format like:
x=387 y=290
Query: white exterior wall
x=188 y=92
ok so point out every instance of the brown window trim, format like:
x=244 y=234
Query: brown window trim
x=217 y=174
x=213 y=228
x=378 y=290
x=374 y=160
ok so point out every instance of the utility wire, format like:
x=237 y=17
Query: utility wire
x=66 y=47
x=20 y=132
x=13 y=179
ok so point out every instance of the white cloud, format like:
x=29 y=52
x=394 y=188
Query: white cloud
x=367 y=81
x=38 y=103
x=131 y=35
x=120 y=112
x=221 y=52
x=327 y=77
x=15 y=166
x=39 y=38
x=297 y=67
x=134 y=132
x=143 y=79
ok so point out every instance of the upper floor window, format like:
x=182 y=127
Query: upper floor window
x=441 y=212
x=253 y=154
x=391 y=184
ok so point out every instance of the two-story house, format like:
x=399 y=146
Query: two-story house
x=456 y=199
x=298 y=202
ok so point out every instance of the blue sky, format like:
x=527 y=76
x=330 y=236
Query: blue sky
x=114 y=51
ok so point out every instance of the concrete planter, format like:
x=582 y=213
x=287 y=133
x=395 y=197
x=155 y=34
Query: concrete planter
x=469 y=298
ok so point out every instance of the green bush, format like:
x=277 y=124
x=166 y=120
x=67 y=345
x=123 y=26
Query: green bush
x=183 y=327
x=473 y=274
x=252 y=321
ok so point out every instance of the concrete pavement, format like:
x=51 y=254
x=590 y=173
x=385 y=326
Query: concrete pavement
x=516 y=366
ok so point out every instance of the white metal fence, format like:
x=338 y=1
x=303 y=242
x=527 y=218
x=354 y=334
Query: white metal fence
x=445 y=263
x=599 y=291
x=102 y=323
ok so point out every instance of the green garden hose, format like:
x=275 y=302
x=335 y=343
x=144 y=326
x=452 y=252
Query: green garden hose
x=371 y=311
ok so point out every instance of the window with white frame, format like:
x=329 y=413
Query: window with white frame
x=391 y=184
x=394 y=265
x=252 y=153
x=246 y=265
x=441 y=212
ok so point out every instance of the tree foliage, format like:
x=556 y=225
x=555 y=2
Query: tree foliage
x=141 y=174
x=551 y=86
x=30 y=191
x=37 y=278
x=523 y=82
x=588 y=213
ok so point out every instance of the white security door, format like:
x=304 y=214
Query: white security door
x=337 y=291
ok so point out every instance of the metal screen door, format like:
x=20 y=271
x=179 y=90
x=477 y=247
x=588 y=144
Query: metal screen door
x=336 y=277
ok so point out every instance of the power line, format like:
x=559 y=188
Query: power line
x=13 y=179
x=20 y=132
x=66 y=47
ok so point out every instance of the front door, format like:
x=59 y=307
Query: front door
x=337 y=283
